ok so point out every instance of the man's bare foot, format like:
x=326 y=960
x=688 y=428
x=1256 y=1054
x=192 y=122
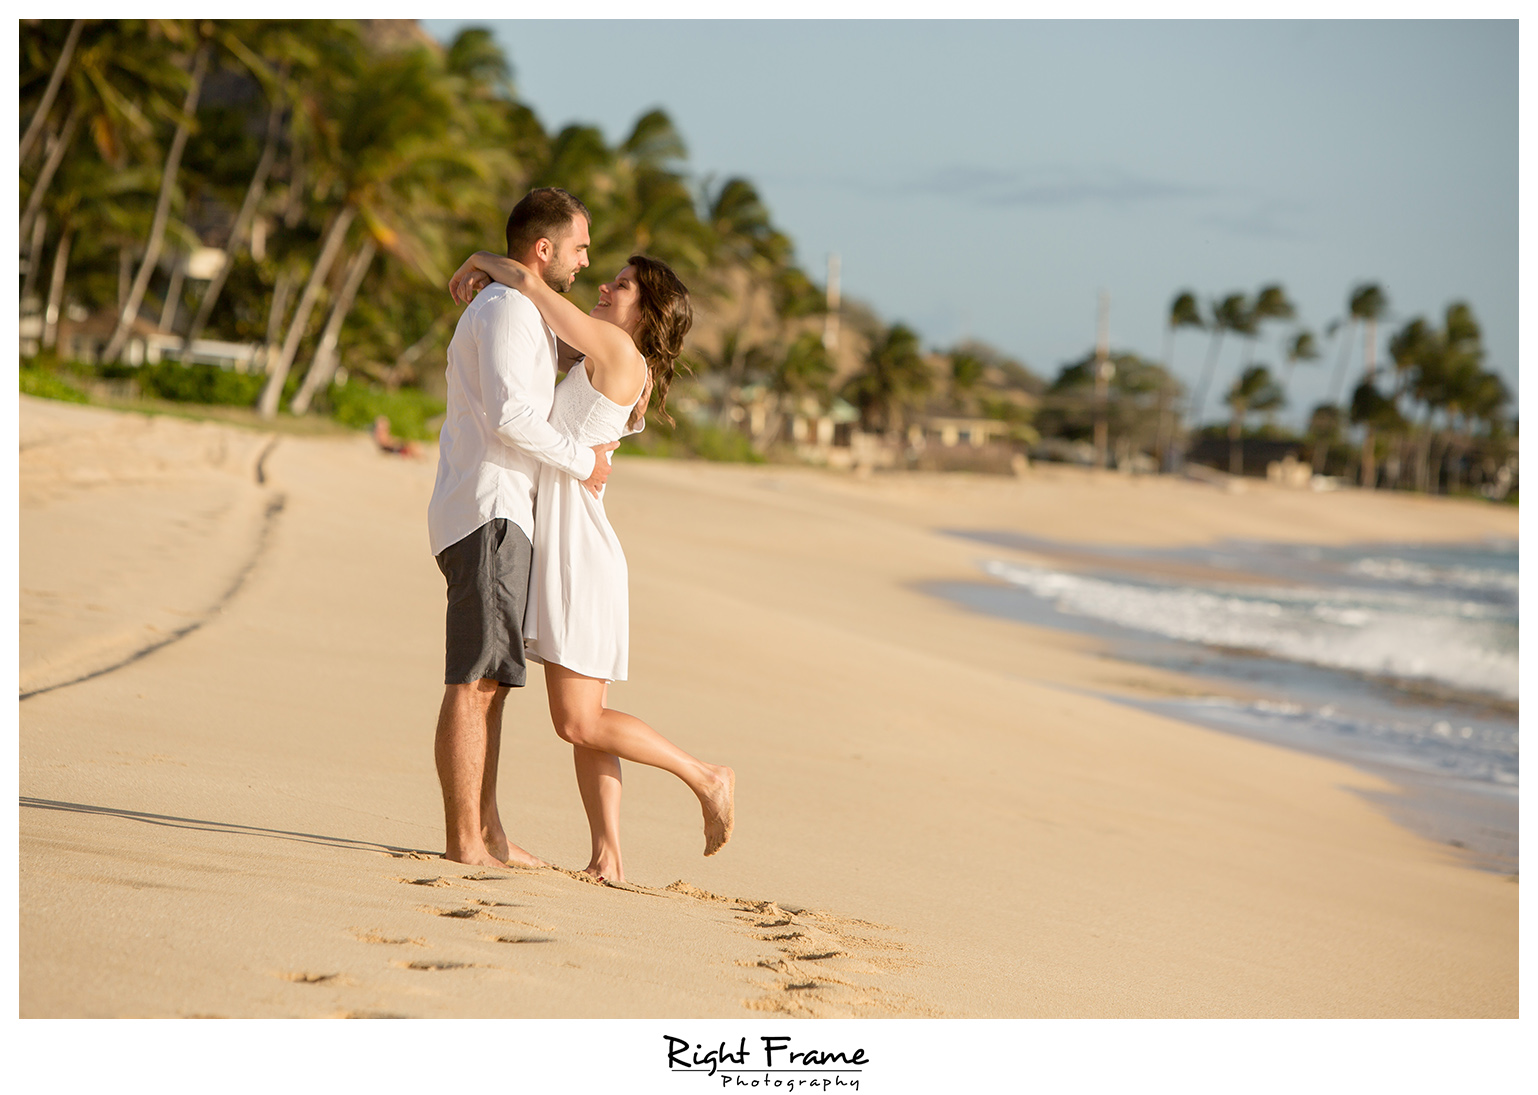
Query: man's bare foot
x=719 y=806
x=509 y=853
x=473 y=857
x=517 y=857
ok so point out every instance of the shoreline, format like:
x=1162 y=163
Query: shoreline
x=236 y=823
x=1475 y=816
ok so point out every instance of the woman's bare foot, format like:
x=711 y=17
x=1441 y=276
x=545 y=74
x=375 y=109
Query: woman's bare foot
x=606 y=868
x=718 y=805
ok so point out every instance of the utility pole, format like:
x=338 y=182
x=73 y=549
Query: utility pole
x=1104 y=371
x=830 y=321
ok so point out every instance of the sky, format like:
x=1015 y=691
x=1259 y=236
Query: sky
x=989 y=179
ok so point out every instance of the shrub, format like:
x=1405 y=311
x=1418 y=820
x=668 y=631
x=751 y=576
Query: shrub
x=200 y=384
x=45 y=384
x=687 y=438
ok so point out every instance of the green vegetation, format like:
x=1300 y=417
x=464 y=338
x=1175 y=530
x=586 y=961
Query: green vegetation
x=1434 y=421
x=410 y=410
x=304 y=188
x=686 y=438
x=46 y=384
x=199 y=384
x=307 y=186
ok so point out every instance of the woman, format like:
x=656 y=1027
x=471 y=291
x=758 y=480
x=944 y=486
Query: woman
x=577 y=623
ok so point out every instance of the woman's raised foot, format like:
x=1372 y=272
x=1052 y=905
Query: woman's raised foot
x=718 y=804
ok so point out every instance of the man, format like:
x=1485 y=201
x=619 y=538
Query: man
x=501 y=382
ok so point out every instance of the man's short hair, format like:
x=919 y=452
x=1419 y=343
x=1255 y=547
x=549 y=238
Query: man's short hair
x=545 y=213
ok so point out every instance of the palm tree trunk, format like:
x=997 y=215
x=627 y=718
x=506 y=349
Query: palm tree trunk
x=1236 y=443
x=277 y=371
x=243 y=219
x=1340 y=364
x=56 y=289
x=173 y=294
x=1169 y=368
x=60 y=67
x=1369 y=447
x=1199 y=404
x=125 y=275
x=1453 y=457
x=323 y=365
x=1439 y=444
x=130 y=311
x=34 y=256
x=50 y=165
x=1423 y=455
x=1160 y=439
x=408 y=356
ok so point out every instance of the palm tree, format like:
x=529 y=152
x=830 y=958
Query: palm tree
x=1232 y=313
x=55 y=80
x=1254 y=391
x=1378 y=415
x=1366 y=305
x=747 y=243
x=393 y=141
x=1300 y=348
x=894 y=377
x=323 y=366
x=1183 y=313
x=1323 y=430
x=665 y=219
x=95 y=205
x=1271 y=303
x=799 y=376
x=184 y=123
x=271 y=52
x=1418 y=353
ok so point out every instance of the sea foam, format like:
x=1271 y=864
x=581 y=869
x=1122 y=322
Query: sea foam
x=1465 y=644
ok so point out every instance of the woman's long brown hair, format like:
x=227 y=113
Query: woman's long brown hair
x=666 y=316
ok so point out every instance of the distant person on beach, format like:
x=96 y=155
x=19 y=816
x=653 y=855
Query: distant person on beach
x=495 y=442
x=578 y=617
x=388 y=442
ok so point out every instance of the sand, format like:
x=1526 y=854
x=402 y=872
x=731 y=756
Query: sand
x=233 y=811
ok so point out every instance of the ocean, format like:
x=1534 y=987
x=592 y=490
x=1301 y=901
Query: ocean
x=1398 y=658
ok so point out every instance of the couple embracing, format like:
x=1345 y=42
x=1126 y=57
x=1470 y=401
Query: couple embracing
x=517 y=523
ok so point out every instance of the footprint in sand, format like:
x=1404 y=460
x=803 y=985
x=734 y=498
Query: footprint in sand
x=301 y=978
x=380 y=937
x=853 y=982
x=438 y=965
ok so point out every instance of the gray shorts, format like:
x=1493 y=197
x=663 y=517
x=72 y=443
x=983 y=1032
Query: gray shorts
x=488 y=577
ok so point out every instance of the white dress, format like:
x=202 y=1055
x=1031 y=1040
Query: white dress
x=578 y=613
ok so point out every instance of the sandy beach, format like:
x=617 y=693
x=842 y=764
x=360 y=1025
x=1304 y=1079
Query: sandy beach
x=231 y=658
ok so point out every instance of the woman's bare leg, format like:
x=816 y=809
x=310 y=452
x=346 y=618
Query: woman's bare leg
x=599 y=780
x=577 y=710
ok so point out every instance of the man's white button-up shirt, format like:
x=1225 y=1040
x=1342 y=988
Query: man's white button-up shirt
x=501 y=379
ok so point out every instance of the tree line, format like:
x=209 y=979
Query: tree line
x=328 y=174
x=1419 y=419
x=339 y=170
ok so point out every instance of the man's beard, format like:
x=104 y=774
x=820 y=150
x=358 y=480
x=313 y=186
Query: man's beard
x=559 y=278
